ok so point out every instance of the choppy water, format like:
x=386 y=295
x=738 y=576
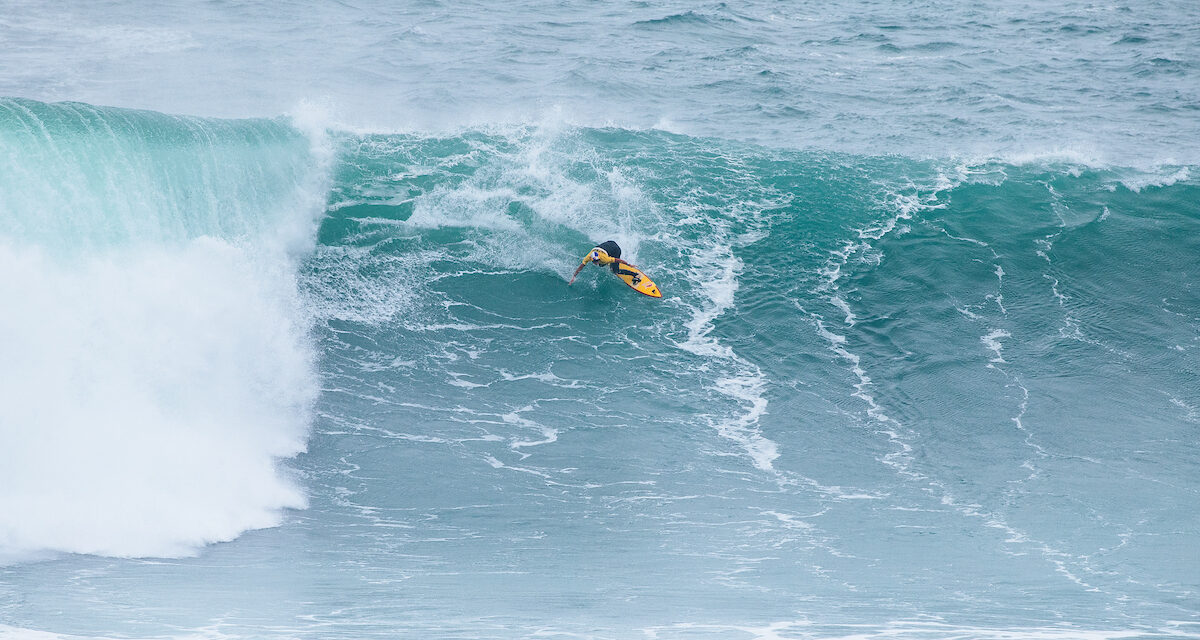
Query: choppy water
x=304 y=364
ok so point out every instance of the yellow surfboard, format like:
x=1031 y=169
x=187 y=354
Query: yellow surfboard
x=639 y=282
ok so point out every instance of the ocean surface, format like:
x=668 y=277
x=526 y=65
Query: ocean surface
x=287 y=348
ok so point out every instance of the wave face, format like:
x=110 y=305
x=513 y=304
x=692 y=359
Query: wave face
x=881 y=397
x=877 y=388
x=155 y=362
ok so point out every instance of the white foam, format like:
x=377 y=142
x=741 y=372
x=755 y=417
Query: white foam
x=1153 y=179
x=1077 y=156
x=147 y=396
x=841 y=303
x=549 y=434
x=1132 y=173
x=992 y=342
x=746 y=383
x=466 y=206
x=515 y=208
x=336 y=284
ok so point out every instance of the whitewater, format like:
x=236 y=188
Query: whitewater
x=288 y=349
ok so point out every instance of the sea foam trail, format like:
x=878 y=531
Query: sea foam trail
x=156 y=363
x=744 y=382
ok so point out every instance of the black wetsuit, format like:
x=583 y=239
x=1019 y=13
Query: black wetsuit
x=611 y=248
x=614 y=251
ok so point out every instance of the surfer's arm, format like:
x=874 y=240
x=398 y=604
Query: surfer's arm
x=577 y=270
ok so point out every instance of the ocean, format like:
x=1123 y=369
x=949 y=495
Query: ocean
x=288 y=348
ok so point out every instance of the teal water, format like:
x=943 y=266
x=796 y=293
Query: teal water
x=301 y=377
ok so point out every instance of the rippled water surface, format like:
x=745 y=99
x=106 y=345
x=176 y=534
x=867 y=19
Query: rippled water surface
x=289 y=349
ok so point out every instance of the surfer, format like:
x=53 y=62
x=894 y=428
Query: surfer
x=608 y=253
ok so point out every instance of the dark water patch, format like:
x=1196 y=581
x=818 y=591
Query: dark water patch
x=939 y=45
x=730 y=83
x=785 y=111
x=735 y=53
x=676 y=19
x=1080 y=30
x=974 y=24
x=869 y=37
x=1165 y=65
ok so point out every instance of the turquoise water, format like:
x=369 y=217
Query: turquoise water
x=304 y=364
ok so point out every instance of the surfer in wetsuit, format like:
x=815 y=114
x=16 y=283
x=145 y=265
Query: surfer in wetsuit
x=607 y=253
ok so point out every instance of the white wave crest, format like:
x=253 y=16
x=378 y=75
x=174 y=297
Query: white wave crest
x=146 y=397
